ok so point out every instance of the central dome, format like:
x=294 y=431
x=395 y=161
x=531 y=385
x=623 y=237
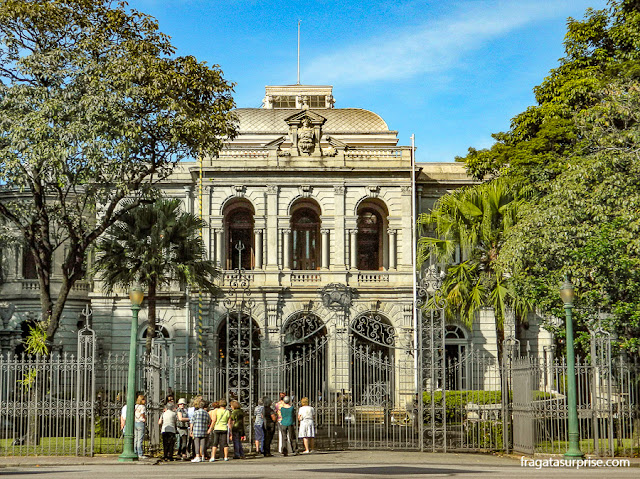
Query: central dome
x=339 y=120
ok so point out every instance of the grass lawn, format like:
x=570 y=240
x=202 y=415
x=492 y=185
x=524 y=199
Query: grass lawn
x=623 y=447
x=61 y=446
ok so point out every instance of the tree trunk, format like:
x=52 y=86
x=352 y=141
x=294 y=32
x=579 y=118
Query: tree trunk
x=57 y=308
x=151 y=328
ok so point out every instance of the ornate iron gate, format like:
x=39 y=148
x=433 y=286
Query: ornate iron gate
x=431 y=363
x=239 y=336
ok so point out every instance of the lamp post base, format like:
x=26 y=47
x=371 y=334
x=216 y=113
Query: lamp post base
x=127 y=457
x=574 y=454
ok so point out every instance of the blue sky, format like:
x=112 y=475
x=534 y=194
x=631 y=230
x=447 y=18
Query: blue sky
x=450 y=72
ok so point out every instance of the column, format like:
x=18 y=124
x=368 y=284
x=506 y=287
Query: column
x=286 y=254
x=20 y=252
x=353 y=248
x=188 y=196
x=272 y=227
x=258 y=246
x=12 y=257
x=220 y=247
x=393 y=249
x=339 y=355
x=339 y=257
x=325 y=248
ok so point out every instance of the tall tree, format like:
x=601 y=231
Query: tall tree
x=154 y=245
x=591 y=223
x=474 y=219
x=94 y=108
x=576 y=153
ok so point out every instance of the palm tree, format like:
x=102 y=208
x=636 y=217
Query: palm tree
x=475 y=219
x=153 y=245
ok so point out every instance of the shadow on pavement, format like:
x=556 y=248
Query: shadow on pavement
x=39 y=471
x=393 y=470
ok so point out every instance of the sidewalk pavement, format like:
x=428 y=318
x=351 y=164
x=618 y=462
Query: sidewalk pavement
x=318 y=457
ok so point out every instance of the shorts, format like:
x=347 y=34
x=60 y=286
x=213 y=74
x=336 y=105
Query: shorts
x=220 y=439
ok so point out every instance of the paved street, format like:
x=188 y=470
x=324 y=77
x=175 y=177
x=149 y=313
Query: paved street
x=351 y=464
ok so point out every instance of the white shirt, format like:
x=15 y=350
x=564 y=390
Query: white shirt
x=306 y=412
x=169 y=421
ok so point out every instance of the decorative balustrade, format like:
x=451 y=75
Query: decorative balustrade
x=373 y=277
x=245 y=153
x=230 y=276
x=311 y=277
x=30 y=285
x=374 y=153
x=34 y=285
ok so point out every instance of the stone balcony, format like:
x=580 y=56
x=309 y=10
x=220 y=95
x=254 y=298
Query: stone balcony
x=20 y=289
x=315 y=279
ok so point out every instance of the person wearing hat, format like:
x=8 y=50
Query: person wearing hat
x=183 y=428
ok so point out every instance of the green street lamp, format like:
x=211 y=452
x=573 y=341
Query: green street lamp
x=128 y=454
x=567 y=294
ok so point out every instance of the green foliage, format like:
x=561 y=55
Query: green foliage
x=154 y=245
x=95 y=107
x=36 y=341
x=29 y=379
x=456 y=401
x=576 y=155
x=485 y=434
x=476 y=219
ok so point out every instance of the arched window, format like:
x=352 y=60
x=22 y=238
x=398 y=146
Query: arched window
x=240 y=232
x=455 y=345
x=305 y=229
x=161 y=346
x=369 y=239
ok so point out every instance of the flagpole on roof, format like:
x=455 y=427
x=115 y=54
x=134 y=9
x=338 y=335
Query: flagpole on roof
x=298 y=52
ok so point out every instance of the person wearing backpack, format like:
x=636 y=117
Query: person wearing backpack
x=236 y=422
x=220 y=427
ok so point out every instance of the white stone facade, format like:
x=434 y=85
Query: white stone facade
x=322 y=196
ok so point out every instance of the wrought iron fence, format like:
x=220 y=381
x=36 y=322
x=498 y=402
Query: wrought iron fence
x=608 y=407
x=46 y=404
x=365 y=396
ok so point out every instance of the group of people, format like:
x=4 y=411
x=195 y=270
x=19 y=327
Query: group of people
x=200 y=429
x=281 y=417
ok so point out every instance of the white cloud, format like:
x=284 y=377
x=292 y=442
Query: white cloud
x=432 y=47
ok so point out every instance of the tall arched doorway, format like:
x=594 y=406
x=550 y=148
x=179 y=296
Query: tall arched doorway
x=238 y=357
x=372 y=339
x=304 y=367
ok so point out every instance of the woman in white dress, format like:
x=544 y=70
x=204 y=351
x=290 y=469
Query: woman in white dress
x=307 y=430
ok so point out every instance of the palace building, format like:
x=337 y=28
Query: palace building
x=309 y=214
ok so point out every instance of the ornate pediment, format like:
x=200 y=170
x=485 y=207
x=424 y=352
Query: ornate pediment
x=305 y=131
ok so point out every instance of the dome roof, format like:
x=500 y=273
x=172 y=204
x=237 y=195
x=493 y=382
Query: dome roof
x=339 y=120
